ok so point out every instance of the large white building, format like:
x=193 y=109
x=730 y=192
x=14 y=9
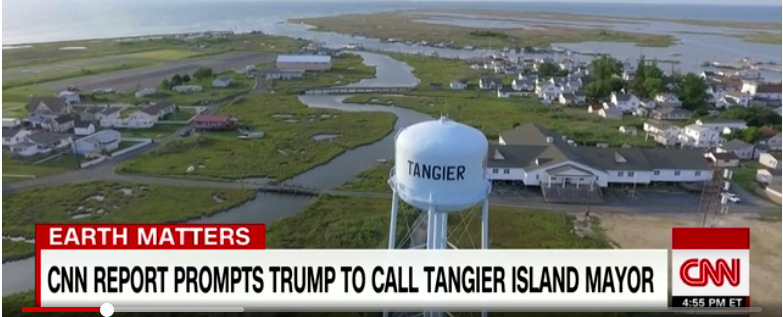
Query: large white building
x=695 y=135
x=106 y=140
x=304 y=62
x=536 y=156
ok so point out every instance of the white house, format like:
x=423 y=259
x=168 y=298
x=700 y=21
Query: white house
x=723 y=159
x=11 y=123
x=662 y=132
x=670 y=113
x=768 y=176
x=744 y=151
x=548 y=91
x=284 y=74
x=187 y=88
x=629 y=130
x=571 y=98
x=458 y=84
x=41 y=143
x=667 y=100
x=770 y=159
x=83 y=128
x=764 y=91
x=611 y=113
x=59 y=124
x=13 y=136
x=222 y=82
x=629 y=74
x=536 y=156
x=487 y=83
x=627 y=103
x=48 y=106
x=106 y=140
x=70 y=97
x=523 y=84
x=145 y=92
x=695 y=135
x=771 y=140
x=722 y=124
x=733 y=99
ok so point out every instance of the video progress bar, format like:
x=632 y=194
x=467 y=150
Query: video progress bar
x=453 y=309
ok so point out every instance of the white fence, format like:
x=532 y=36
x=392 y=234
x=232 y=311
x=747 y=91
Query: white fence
x=142 y=143
x=93 y=162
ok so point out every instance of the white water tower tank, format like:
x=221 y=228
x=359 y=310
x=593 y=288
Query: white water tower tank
x=441 y=163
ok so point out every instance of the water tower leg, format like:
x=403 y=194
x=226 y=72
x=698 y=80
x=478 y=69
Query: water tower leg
x=485 y=224
x=485 y=232
x=393 y=222
x=431 y=227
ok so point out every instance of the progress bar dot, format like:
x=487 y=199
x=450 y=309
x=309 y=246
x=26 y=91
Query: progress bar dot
x=107 y=310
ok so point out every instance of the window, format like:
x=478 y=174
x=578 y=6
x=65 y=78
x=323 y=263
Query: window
x=656 y=172
x=506 y=171
x=697 y=173
x=630 y=174
x=676 y=173
x=553 y=178
x=536 y=176
x=620 y=174
x=494 y=171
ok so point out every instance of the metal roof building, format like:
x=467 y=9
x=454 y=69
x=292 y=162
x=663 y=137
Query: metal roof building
x=304 y=62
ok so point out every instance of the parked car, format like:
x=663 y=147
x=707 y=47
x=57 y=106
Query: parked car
x=186 y=133
x=732 y=197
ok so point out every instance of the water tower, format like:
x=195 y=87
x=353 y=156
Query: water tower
x=440 y=170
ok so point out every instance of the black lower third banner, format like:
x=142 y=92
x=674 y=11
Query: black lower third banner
x=710 y=301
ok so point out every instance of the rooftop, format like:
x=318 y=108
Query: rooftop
x=304 y=59
x=527 y=147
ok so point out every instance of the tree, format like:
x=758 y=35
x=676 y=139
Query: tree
x=165 y=84
x=598 y=89
x=186 y=78
x=605 y=67
x=203 y=73
x=692 y=92
x=550 y=69
x=637 y=84
x=753 y=116
x=751 y=135
x=176 y=80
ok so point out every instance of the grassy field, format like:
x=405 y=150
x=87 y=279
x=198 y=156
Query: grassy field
x=208 y=95
x=161 y=48
x=493 y=115
x=13 y=109
x=286 y=150
x=371 y=180
x=603 y=19
x=442 y=71
x=762 y=37
x=112 y=202
x=399 y=25
x=70 y=73
x=25 y=167
x=346 y=69
x=15 y=250
x=363 y=223
x=22 y=95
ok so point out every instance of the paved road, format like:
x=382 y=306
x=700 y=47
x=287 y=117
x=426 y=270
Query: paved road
x=127 y=80
x=92 y=62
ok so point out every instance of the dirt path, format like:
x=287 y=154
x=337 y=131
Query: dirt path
x=633 y=231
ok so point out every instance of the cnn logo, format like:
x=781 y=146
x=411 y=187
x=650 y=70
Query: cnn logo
x=698 y=272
